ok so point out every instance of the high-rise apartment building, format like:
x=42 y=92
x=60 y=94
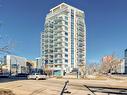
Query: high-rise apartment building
x=63 y=41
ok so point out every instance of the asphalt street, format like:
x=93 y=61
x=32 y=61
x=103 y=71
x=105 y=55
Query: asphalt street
x=76 y=87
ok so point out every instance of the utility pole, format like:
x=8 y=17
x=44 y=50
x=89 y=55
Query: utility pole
x=16 y=66
x=77 y=72
x=10 y=67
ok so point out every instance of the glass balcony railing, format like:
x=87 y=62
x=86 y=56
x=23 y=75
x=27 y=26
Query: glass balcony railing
x=50 y=47
x=80 y=23
x=57 y=29
x=55 y=49
x=58 y=57
x=58 y=52
x=81 y=48
x=57 y=40
x=79 y=37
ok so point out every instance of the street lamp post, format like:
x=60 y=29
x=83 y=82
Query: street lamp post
x=16 y=66
x=10 y=67
x=78 y=73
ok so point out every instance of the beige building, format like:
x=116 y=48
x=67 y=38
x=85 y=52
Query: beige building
x=33 y=63
x=63 y=42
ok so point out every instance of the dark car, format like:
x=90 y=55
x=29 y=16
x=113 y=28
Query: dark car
x=22 y=75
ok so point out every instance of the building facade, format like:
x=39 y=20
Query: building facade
x=125 y=57
x=63 y=41
x=15 y=64
x=121 y=66
x=39 y=63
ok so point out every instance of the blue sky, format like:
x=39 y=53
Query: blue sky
x=106 y=21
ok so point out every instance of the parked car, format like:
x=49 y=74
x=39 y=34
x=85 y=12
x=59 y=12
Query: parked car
x=21 y=75
x=37 y=76
x=4 y=75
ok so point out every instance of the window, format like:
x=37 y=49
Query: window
x=66 y=28
x=72 y=36
x=66 y=44
x=60 y=17
x=66 y=39
x=55 y=56
x=66 y=23
x=72 y=11
x=66 y=18
x=66 y=33
x=66 y=55
x=66 y=49
x=66 y=60
x=46 y=61
x=55 y=61
x=72 y=17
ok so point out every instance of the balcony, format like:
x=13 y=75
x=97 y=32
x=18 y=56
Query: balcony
x=58 y=62
x=46 y=45
x=51 y=63
x=51 y=57
x=81 y=43
x=80 y=23
x=51 y=47
x=79 y=14
x=46 y=56
x=81 y=39
x=58 y=29
x=81 y=48
x=58 y=40
x=80 y=35
x=46 y=36
x=81 y=54
x=50 y=36
x=56 y=35
x=81 y=59
x=58 y=57
x=51 y=42
x=54 y=39
x=58 y=52
x=54 y=14
x=59 y=45
x=80 y=29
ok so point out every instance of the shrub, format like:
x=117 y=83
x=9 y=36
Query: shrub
x=6 y=92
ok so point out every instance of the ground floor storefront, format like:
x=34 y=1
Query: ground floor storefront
x=55 y=72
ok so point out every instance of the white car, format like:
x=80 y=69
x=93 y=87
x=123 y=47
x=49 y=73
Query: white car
x=37 y=76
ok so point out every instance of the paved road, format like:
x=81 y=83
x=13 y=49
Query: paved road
x=54 y=86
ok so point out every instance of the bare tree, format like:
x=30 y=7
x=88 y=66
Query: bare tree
x=5 y=48
x=111 y=66
x=82 y=70
x=5 y=44
x=92 y=68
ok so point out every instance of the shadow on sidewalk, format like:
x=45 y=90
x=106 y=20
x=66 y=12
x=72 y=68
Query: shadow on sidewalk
x=108 y=90
x=10 y=79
